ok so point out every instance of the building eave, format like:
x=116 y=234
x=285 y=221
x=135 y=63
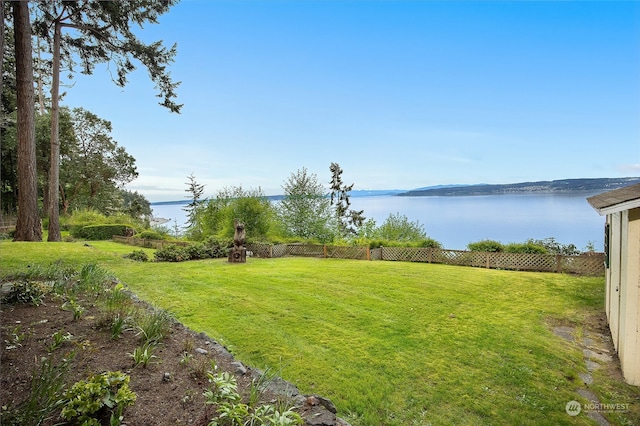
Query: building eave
x=633 y=204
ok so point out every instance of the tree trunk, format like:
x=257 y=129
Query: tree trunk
x=53 y=207
x=28 y=225
x=1 y=80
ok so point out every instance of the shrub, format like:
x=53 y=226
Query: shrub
x=429 y=243
x=196 y=251
x=27 y=291
x=528 y=247
x=422 y=243
x=171 y=253
x=150 y=234
x=100 y=232
x=554 y=247
x=138 y=256
x=210 y=249
x=100 y=395
x=486 y=246
x=217 y=248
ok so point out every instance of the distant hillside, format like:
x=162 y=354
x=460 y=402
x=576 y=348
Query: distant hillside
x=554 y=186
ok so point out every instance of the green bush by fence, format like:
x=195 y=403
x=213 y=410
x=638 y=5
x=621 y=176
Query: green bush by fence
x=101 y=232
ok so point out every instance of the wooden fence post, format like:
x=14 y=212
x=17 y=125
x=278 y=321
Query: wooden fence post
x=558 y=263
x=324 y=250
x=488 y=260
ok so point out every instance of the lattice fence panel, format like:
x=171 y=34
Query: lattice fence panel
x=401 y=254
x=350 y=252
x=525 y=262
x=279 y=250
x=260 y=250
x=305 y=250
x=452 y=257
x=591 y=264
x=476 y=259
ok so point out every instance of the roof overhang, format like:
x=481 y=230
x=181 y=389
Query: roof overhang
x=628 y=205
x=615 y=201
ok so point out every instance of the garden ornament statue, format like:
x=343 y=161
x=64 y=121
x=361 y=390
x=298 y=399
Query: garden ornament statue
x=238 y=253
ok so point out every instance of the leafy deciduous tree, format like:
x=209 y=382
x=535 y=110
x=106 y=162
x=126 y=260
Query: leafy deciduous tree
x=93 y=171
x=397 y=227
x=216 y=217
x=305 y=211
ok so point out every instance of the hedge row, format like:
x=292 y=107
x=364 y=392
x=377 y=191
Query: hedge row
x=100 y=232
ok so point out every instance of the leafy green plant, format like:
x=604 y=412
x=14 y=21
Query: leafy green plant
x=59 y=338
x=118 y=325
x=28 y=292
x=44 y=399
x=224 y=387
x=153 y=325
x=223 y=393
x=17 y=337
x=116 y=299
x=185 y=358
x=72 y=306
x=92 y=278
x=103 y=394
x=142 y=355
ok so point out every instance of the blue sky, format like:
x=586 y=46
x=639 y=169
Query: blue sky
x=402 y=94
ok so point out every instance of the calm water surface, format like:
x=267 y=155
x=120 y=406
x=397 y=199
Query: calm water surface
x=457 y=221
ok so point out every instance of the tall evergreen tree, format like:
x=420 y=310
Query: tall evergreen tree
x=195 y=190
x=8 y=145
x=28 y=226
x=101 y=33
x=348 y=220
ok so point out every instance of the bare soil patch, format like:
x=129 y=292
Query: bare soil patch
x=169 y=390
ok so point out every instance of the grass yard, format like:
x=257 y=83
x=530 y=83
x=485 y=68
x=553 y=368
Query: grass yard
x=390 y=343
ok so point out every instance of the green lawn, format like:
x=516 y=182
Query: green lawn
x=391 y=343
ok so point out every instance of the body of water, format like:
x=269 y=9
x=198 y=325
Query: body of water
x=457 y=221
